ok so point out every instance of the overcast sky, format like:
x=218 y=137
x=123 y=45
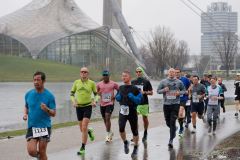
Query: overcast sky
x=145 y=15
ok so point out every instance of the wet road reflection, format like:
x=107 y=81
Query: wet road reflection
x=191 y=146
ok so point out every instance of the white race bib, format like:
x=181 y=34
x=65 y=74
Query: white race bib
x=39 y=132
x=124 y=110
x=212 y=101
x=107 y=97
x=195 y=98
x=188 y=103
x=140 y=87
x=171 y=95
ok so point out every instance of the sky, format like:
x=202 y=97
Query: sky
x=145 y=15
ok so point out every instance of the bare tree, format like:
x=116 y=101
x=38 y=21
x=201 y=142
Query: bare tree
x=226 y=47
x=159 y=45
x=200 y=63
x=179 y=54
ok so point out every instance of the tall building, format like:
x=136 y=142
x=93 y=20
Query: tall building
x=218 y=21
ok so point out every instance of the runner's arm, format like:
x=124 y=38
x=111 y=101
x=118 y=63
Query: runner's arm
x=136 y=99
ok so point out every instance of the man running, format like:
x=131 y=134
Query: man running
x=213 y=92
x=224 y=89
x=206 y=82
x=106 y=89
x=237 y=94
x=81 y=97
x=145 y=88
x=183 y=100
x=128 y=97
x=197 y=92
x=39 y=108
x=171 y=89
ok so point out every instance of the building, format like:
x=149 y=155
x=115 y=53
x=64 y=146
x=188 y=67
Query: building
x=58 y=30
x=216 y=23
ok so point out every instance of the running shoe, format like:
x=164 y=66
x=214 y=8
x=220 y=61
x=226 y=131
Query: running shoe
x=126 y=147
x=134 y=153
x=214 y=133
x=193 y=130
x=144 y=139
x=180 y=133
x=210 y=130
x=110 y=135
x=91 y=134
x=170 y=144
x=236 y=114
x=81 y=151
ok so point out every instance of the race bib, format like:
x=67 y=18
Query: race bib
x=124 y=110
x=212 y=101
x=171 y=95
x=188 y=103
x=140 y=87
x=195 y=98
x=39 y=132
x=107 y=97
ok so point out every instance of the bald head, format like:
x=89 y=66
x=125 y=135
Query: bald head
x=84 y=73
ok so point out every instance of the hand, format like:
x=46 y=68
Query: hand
x=166 y=89
x=25 y=116
x=177 y=93
x=44 y=107
x=93 y=104
x=74 y=103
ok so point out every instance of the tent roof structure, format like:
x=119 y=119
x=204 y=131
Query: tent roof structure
x=42 y=22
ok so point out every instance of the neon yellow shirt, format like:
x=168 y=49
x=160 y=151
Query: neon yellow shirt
x=82 y=92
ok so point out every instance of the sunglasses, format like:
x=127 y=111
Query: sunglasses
x=138 y=71
x=84 y=71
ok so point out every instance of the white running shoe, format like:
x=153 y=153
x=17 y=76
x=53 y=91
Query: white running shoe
x=214 y=133
x=110 y=135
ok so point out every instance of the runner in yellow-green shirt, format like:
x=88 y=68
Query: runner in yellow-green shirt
x=83 y=100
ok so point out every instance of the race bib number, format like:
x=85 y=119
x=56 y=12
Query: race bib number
x=171 y=95
x=107 y=97
x=140 y=87
x=39 y=132
x=124 y=110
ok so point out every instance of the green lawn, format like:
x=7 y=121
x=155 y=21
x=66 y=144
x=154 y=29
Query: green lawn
x=16 y=69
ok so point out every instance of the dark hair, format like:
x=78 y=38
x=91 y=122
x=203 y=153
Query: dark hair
x=196 y=76
x=43 y=76
x=188 y=75
x=178 y=69
x=213 y=77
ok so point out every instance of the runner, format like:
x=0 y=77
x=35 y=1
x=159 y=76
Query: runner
x=81 y=97
x=197 y=92
x=128 y=97
x=224 y=89
x=188 y=104
x=183 y=100
x=145 y=87
x=106 y=89
x=171 y=89
x=39 y=108
x=206 y=82
x=237 y=94
x=213 y=92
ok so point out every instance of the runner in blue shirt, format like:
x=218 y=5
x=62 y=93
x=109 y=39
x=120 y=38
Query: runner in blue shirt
x=39 y=108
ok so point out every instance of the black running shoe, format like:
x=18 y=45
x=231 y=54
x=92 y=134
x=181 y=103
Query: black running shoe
x=170 y=144
x=126 y=147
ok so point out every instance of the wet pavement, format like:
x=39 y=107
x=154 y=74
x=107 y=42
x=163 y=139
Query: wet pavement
x=191 y=146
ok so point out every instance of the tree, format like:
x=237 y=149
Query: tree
x=200 y=63
x=179 y=54
x=226 y=47
x=160 y=42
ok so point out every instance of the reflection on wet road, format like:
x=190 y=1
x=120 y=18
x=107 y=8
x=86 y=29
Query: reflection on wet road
x=191 y=146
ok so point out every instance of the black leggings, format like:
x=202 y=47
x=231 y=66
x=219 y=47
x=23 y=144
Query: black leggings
x=171 y=114
x=133 y=120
